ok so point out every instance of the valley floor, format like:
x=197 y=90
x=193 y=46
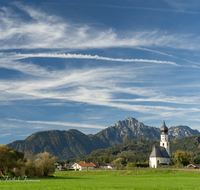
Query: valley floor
x=118 y=179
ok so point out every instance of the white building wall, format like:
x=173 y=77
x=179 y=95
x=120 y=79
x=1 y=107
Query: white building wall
x=87 y=168
x=58 y=167
x=75 y=166
x=154 y=162
x=105 y=167
x=78 y=167
x=109 y=167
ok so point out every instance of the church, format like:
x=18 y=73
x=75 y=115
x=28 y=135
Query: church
x=160 y=155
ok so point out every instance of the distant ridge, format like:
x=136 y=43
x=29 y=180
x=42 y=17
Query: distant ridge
x=73 y=143
x=64 y=144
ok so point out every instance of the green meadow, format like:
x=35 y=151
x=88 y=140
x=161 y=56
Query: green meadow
x=117 y=179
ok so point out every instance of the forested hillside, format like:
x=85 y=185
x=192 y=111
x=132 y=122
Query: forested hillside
x=138 y=150
x=64 y=144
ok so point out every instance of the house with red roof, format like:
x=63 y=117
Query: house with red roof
x=101 y=165
x=83 y=166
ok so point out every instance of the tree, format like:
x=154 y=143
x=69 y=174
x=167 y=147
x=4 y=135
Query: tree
x=182 y=157
x=30 y=170
x=10 y=159
x=45 y=163
x=197 y=159
x=29 y=155
x=106 y=159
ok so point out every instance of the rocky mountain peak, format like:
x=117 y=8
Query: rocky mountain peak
x=131 y=128
x=181 y=131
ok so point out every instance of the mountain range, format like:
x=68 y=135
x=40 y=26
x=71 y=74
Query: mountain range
x=73 y=143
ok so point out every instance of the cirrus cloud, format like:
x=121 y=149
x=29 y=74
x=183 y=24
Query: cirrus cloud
x=41 y=30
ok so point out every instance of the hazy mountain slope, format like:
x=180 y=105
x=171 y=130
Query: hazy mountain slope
x=64 y=144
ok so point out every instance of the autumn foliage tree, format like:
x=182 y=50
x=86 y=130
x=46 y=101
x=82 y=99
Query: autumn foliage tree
x=45 y=163
x=13 y=162
x=182 y=157
x=10 y=159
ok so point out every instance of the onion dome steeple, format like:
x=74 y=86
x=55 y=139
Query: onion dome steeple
x=164 y=128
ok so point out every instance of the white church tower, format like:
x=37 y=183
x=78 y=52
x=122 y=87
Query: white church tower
x=164 y=137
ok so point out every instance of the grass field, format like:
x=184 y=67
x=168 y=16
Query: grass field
x=124 y=179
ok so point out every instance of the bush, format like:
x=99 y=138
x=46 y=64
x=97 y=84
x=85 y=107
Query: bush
x=132 y=165
x=19 y=172
x=120 y=161
x=10 y=174
x=139 y=164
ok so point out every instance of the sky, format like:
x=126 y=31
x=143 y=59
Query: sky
x=87 y=64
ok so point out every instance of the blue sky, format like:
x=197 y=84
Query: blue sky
x=88 y=64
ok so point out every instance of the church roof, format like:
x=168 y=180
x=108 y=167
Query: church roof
x=164 y=128
x=159 y=151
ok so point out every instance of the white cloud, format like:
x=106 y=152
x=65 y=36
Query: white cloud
x=174 y=100
x=97 y=86
x=4 y=135
x=61 y=124
x=95 y=118
x=81 y=56
x=178 y=8
x=52 y=32
x=183 y=5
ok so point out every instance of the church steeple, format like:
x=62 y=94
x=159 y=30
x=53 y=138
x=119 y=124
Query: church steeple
x=164 y=137
x=164 y=128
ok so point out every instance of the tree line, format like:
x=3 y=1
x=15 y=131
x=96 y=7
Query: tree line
x=13 y=163
x=180 y=159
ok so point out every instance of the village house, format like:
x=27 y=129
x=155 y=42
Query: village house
x=100 y=165
x=67 y=166
x=114 y=166
x=58 y=166
x=83 y=166
x=196 y=166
